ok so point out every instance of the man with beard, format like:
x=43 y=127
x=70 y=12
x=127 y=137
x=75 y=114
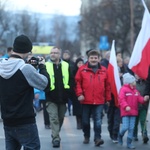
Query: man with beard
x=57 y=97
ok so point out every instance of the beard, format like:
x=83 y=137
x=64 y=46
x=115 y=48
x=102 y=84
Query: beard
x=53 y=59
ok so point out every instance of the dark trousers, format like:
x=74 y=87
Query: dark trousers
x=96 y=112
x=69 y=106
x=114 y=120
x=45 y=113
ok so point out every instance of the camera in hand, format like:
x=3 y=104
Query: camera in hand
x=34 y=61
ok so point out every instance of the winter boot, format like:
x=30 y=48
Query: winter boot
x=129 y=144
x=145 y=139
x=86 y=140
x=120 y=139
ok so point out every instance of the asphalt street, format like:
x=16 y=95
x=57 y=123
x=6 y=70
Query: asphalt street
x=72 y=139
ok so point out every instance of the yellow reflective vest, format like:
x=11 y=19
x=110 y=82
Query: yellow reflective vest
x=65 y=74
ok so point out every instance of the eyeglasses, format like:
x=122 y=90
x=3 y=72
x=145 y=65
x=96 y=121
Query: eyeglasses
x=54 y=52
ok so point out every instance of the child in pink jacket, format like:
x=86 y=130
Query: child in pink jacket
x=129 y=98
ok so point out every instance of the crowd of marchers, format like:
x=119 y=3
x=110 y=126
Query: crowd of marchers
x=54 y=84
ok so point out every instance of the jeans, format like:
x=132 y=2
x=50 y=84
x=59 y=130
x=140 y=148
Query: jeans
x=114 y=120
x=23 y=135
x=128 y=123
x=96 y=112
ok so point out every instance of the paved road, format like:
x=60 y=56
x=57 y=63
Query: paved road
x=72 y=138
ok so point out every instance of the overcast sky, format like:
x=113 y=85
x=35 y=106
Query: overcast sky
x=65 y=7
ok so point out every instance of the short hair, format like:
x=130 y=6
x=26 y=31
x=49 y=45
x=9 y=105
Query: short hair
x=118 y=52
x=107 y=55
x=67 y=51
x=54 y=47
x=119 y=59
x=9 y=49
x=94 y=52
x=88 y=51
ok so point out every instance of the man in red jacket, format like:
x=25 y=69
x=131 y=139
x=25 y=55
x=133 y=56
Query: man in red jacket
x=92 y=89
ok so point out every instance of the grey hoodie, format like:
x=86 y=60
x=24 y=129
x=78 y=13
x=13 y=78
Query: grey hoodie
x=17 y=80
x=8 y=67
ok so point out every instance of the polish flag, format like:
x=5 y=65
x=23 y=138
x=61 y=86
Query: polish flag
x=113 y=74
x=140 y=58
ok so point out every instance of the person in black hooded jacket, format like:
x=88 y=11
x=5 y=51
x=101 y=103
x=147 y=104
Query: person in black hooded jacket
x=17 y=81
x=77 y=107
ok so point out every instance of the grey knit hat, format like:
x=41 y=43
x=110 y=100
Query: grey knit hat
x=128 y=78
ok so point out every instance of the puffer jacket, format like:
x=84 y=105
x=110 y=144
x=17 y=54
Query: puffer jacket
x=129 y=97
x=94 y=86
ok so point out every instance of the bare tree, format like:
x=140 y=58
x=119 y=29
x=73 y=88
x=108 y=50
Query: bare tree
x=35 y=28
x=4 y=18
x=112 y=18
x=29 y=23
x=59 y=29
x=62 y=34
x=26 y=23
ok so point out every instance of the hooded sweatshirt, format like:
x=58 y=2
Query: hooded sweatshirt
x=17 y=81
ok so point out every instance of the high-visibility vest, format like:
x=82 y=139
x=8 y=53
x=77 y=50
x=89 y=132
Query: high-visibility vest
x=65 y=74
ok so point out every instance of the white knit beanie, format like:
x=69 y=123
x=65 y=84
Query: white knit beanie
x=128 y=78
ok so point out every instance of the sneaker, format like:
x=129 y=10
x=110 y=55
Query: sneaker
x=145 y=140
x=115 y=140
x=56 y=143
x=99 y=142
x=129 y=144
x=86 y=140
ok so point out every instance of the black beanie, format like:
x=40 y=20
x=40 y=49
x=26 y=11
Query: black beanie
x=22 y=44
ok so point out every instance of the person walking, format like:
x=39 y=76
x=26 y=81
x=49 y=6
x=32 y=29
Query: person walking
x=42 y=99
x=59 y=90
x=66 y=56
x=92 y=89
x=143 y=109
x=17 y=83
x=113 y=113
x=77 y=106
x=129 y=97
x=41 y=105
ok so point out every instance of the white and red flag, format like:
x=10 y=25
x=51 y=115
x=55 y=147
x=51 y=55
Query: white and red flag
x=113 y=74
x=140 y=58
